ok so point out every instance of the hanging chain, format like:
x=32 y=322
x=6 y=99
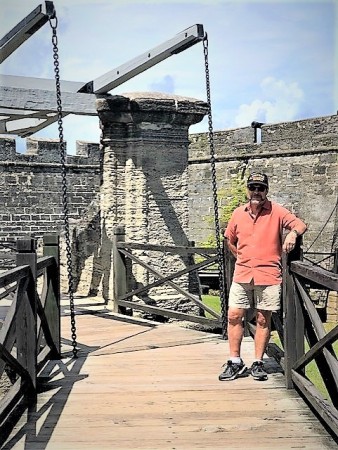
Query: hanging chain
x=64 y=182
x=220 y=251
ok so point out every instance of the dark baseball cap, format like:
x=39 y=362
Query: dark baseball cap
x=258 y=178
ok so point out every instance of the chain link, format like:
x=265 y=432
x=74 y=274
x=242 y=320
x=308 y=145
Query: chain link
x=220 y=251
x=53 y=25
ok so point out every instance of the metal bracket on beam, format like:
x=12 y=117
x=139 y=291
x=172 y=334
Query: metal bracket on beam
x=24 y=29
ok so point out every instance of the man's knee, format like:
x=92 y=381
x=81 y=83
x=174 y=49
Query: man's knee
x=235 y=316
x=263 y=319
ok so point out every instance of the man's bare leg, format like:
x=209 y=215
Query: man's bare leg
x=235 y=330
x=262 y=335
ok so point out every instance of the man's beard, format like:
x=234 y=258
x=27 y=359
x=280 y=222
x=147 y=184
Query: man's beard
x=256 y=200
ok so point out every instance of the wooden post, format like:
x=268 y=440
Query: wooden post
x=335 y=261
x=26 y=316
x=119 y=269
x=228 y=273
x=229 y=268
x=52 y=306
x=293 y=317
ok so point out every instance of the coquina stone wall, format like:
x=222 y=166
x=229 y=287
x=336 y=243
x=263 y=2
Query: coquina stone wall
x=31 y=189
x=31 y=194
x=145 y=186
x=301 y=160
x=154 y=162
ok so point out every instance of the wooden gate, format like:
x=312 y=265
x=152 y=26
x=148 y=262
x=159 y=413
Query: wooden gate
x=123 y=250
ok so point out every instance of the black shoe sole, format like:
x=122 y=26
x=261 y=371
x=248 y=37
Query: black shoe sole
x=241 y=373
x=262 y=378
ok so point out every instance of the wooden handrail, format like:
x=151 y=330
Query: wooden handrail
x=318 y=275
x=30 y=317
x=302 y=322
x=185 y=250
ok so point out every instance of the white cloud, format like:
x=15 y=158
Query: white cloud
x=280 y=101
x=256 y=49
x=165 y=84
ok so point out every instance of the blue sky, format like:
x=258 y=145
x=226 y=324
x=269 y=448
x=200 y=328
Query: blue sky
x=271 y=61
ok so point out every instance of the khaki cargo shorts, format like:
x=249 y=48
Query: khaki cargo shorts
x=247 y=295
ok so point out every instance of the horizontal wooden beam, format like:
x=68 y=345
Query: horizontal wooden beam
x=315 y=274
x=43 y=100
x=14 y=275
x=46 y=84
x=181 y=250
x=169 y=313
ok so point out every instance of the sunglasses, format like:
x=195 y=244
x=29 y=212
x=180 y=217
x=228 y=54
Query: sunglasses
x=260 y=188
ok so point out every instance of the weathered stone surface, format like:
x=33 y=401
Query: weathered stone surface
x=150 y=172
x=301 y=159
x=145 y=183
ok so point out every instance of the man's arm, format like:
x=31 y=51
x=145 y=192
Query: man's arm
x=231 y=235
x=290 y=240
x=232 y=248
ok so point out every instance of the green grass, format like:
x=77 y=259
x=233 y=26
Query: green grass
x=311 y=369
x=213 y=302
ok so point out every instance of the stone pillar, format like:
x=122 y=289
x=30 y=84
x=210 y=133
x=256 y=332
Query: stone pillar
x=145 y=184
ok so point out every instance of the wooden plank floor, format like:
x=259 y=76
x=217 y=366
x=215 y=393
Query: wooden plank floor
x=138 y=386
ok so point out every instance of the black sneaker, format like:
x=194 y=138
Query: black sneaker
x=258 y=372
x=232 y=370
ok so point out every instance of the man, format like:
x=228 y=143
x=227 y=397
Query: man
x=254 y=236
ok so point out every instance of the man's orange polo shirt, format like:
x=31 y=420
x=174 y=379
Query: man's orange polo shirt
x=259 y=242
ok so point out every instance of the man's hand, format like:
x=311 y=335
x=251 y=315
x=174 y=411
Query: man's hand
x=232 y=248
x=289 y=242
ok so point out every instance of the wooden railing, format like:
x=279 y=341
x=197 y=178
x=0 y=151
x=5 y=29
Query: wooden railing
x=302 y=323
x=327 y=260
x=298 y=323
x=123 y=251
x=30 y=333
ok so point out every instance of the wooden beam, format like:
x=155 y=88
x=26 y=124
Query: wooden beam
x=38 y=94
x=330 y=338
x=321 y=406
x=24 y=30
x=43 y=100
x=172 y=284
x=180 y=250
x=293 y=330
x=326 y=361
x=170 y=277
x=125 y=72
x=13 y=275
x=322 y=277
x=12 y=398
x=120 y=74
x=32 y=126
x=169 y=313
x=46 y=84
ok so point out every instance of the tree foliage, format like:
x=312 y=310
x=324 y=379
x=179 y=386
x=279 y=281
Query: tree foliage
x=228 y=200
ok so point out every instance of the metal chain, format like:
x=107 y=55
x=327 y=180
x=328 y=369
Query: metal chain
x=220 y=251
x=64 y=182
